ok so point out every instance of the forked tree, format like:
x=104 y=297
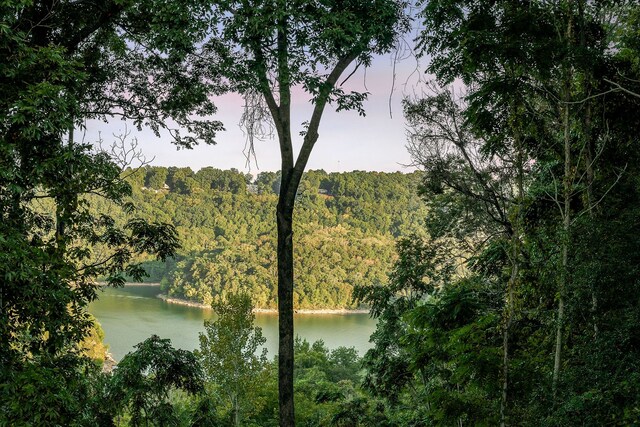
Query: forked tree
x=264 y=49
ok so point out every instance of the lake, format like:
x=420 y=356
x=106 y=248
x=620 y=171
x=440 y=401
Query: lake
x=131 y=314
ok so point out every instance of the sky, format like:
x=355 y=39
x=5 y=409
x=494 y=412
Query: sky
x=347 y=141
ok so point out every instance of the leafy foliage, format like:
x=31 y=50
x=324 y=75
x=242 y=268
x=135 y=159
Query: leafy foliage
x=530 y=198
x=62 y=63
x=144 y=378
x=229 y=355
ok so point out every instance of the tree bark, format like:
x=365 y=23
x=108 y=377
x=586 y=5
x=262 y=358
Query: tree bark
x=513 y=278
x=284 y=217
x=588 y=145
x=236 y=410
x=590 y=206
x=290 y=181
x=566 y=224
x=505 y=339
x=566 y=214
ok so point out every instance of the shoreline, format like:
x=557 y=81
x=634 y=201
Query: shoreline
x=133 y=284
x=328 y=311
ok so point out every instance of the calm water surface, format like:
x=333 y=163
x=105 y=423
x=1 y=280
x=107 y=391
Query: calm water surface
x=130 y=315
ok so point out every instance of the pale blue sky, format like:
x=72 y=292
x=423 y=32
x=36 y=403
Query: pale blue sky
x=347 y=141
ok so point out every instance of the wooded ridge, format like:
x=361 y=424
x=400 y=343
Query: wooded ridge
x=347 y=224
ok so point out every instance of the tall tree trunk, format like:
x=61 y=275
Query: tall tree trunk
x=505 y=338
x=566 y=224
x=284 y=214
x=513 y=278
x=588 y=142
x=292 y=171
x=567 y=193
x=588 y=145
x=284 y=219
x=236 y=411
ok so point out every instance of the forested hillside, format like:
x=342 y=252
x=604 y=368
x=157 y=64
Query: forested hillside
x=346 y=226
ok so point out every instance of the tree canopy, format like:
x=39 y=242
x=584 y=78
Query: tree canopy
x=504 y=315
x=228 y=239
x=515 y=302
x=61 y=63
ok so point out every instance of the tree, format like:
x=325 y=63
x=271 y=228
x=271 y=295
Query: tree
x=268 y=183
x=228 y=353
x=504 y=108
x=156 y=177
x=144 y=378
x=231 y=181
x=488 y=188
x=93 y=345
x=62 y=62
x=536 y=74
x=265 y=49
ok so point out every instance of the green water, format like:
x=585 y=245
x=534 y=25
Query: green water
x=130 y=315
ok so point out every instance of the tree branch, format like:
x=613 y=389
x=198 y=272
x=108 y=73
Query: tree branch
x=311 y=137
x=622 y=88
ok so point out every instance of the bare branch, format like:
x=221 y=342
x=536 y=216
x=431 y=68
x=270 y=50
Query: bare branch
x=618 y=176
x=124 y=151
x=622 y=88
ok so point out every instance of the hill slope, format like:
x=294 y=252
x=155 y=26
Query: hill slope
x=345 y=228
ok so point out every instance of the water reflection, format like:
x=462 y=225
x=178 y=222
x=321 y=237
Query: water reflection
x=130 y=315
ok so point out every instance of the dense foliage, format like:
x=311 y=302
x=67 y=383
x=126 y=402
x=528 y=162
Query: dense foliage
x=519 y=309
x=61 y=63
x=232 y=357
x=241 y=384
x=346 y=226
x=516 y=304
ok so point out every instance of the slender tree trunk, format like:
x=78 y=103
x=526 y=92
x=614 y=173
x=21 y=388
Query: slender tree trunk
x=566 y=224
x=560 y=316
x=588 y=144
x=284 y=214
x=566 y=214
x=292 y=171
x=284 y=220
x=236 y=411
x=590 y=203
x=515 y=270
x=505 y=341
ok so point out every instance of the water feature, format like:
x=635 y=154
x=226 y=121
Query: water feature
x=131 y=314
